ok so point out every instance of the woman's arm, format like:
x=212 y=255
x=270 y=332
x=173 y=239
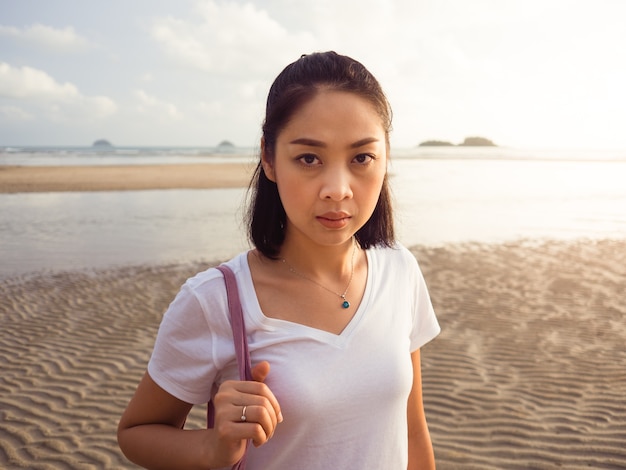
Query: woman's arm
x=150 y=431
x=421 y=454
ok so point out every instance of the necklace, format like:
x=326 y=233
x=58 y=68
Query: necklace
x=345 y=303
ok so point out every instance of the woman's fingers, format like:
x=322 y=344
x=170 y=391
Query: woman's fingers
x=258 y=426
x=261 y=409
x=259 y=421
x=253 y=401
x=259 y=373
x=260 y=395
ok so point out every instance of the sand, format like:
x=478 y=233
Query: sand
x=19 y=179
x=529 y=371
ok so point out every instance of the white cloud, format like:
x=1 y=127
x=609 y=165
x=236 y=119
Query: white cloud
x=153 y=106
x=231 y=39
x=27 y=82
x=47 y=37
x=14 y=114
x=60 y=101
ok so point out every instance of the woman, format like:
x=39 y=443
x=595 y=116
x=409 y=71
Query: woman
x=332 y=304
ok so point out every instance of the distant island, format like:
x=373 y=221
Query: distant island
x=468 y=142
x=436 y=143
x=102 y=143
x=225 y=146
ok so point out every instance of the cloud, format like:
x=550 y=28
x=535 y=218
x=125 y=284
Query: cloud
x=14 y=114
x=146 y=77
x=27 y=82
x=229 y=39
x=35 y=89
x=153 y=106
x=47 y=37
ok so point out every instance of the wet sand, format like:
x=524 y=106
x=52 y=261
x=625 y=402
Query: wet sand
x=529 y=371
x=18 y=179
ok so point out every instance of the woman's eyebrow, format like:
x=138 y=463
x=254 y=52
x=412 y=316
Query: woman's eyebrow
x=308 y=142
x=318 y=143
x=362 y=142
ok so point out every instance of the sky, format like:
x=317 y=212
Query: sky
x=523 y=73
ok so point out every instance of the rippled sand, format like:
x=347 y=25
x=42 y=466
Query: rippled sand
x=529 y=371
x=530 y=368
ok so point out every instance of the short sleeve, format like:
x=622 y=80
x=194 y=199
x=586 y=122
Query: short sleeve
x=195 y=328
x=425 y=324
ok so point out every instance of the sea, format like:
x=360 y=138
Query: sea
x=443 y=195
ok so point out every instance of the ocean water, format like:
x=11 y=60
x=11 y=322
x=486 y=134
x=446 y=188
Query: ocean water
x=442 y=196
x=49 y=156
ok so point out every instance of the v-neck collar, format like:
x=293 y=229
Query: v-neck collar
x=255 y=317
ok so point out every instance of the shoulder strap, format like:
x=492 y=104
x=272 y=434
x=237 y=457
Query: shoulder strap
x=241 y=344
x=237 y=323
x=239 y=333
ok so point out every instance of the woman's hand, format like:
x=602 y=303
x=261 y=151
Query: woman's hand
x=246 y=410
x=150 y=431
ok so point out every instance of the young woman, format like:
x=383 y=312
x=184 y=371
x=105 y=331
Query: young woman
x=333 y=305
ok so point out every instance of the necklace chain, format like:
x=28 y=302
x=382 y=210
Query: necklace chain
x=345 y=303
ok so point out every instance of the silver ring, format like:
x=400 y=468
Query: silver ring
x=243 y=415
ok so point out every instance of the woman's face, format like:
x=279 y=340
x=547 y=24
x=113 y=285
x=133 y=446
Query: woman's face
x=329 y=165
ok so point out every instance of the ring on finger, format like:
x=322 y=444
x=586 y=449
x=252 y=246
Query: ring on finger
x=243 y=418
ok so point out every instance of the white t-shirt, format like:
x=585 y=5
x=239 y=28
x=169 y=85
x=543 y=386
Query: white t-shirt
x=343 y=397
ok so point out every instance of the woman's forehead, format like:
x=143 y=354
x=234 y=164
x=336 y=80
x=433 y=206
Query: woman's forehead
x=332 y=112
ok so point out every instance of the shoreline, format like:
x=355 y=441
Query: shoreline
x=20 y=179
x=527 y=372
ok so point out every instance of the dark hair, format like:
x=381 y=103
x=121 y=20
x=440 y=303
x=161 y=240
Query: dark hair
x=295 y=85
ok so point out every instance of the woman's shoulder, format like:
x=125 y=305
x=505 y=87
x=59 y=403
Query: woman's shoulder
x=204 y=295
x=208 y=278
x=396 y=253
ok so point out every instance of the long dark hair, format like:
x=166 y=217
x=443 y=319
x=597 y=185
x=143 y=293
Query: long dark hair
x=295 y=85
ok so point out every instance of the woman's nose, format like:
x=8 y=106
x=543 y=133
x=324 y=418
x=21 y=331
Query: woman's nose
x=336 y=184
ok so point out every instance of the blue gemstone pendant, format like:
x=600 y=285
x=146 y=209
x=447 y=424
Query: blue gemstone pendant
x=345 y=304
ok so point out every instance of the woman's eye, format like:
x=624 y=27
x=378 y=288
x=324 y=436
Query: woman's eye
x=308 y=159
x=364 y=158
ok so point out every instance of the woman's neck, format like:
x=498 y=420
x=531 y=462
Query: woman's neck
x=320 y=261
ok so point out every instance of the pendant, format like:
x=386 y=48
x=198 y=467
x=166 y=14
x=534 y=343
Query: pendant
x=345 y=304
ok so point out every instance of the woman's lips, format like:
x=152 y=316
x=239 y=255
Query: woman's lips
x=334 y=220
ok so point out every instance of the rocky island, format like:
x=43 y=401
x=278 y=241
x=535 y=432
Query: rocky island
x=468 y=142
x=225 y=146
x=102 y=143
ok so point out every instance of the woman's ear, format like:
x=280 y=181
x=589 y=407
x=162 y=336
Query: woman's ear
x=268 y=166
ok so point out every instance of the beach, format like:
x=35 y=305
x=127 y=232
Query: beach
x=21 y=179
x=528 y=371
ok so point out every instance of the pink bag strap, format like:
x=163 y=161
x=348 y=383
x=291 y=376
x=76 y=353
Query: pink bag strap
x=237 y=323
x=240 y=341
